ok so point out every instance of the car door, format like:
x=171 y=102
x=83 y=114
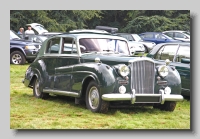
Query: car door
x=67 y=59
x=50 y=60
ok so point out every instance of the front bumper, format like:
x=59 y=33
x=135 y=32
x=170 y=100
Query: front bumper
x=143 y=98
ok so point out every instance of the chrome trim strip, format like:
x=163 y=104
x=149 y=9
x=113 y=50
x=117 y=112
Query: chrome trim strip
x=141 y=59
x=163 y=97
x=58 y=92
x=133 y=96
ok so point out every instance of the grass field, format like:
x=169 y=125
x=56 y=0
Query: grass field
x=28 y=112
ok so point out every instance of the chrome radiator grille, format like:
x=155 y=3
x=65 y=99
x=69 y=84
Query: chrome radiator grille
x=143 y=76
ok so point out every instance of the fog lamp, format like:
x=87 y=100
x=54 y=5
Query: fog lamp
x=122 y=89
x=167 y=90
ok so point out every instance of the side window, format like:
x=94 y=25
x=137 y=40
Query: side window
x=68 y=46
x=170 y=34
x=53 y=46
x=166 y=52
x=148 y=35
x=183 y=52
x=159 y=36
x=178 y=35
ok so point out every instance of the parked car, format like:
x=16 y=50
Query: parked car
x=178 y=35
x=157 y=37
x=99 y=69
x=40 y=38
x=147 y=44
x=22 y=50
x=136 y=47
x=135 y=38
x=179 y=55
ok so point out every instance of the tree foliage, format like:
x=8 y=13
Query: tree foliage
x=133 y=21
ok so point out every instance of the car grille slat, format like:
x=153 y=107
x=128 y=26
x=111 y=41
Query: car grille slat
x=143 y=76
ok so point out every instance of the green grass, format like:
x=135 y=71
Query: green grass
x=28 y=112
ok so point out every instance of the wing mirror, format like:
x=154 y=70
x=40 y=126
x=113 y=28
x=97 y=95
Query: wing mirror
x=185 y=60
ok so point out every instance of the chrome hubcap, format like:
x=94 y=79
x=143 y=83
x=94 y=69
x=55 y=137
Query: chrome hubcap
x=37 y=91
x=93 y=98
x=16 y=59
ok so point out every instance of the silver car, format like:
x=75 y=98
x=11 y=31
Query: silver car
x=178 y=35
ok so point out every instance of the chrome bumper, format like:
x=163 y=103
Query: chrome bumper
x=133 y=97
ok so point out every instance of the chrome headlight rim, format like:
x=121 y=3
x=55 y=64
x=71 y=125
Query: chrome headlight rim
x=163 y=71
x=123 y=70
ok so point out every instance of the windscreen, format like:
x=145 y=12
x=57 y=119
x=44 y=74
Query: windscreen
x=104 y=45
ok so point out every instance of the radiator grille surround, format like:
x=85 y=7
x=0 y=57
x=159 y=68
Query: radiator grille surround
x=142 y=76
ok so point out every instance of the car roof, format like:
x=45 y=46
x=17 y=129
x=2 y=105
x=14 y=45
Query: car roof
x=90 y=35
x=175 y=31
x=150 y=32
x=88 y=30
x=124 y=33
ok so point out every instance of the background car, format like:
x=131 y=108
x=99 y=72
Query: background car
x=40 y=38
x=99 y=70
x=136 y=47
x=157 y=37
x=147 y=44
x=37 y=28
x=179 y=55
x=178 y=35
x=22 y=50
x=136 y=38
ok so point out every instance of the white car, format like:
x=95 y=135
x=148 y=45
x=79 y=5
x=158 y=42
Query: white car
x=37 y=28
x=147 y=44
x=140 y=45
x=136 y=48
x=178 y=35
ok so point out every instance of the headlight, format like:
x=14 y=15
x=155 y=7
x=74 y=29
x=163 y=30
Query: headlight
x=30 y=47
x=163 y=71
x=123 y=70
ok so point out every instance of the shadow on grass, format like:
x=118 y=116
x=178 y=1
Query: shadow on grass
x=112 y=110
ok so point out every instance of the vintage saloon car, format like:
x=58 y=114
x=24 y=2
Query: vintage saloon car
x=98 y=69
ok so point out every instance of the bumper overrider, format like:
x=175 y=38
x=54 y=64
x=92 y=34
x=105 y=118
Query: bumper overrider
x=143 y=98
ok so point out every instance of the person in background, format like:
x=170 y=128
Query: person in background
x=29 y=30
x=20 y=30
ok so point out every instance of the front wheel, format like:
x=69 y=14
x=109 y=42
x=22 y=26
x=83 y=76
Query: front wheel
x=167 y=106
x=36 y=91
x=93 y=99
x=17 y=58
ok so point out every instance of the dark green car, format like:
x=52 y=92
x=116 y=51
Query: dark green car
x=98 y=69
x=179 y=55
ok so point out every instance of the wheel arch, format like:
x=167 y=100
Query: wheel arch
x=85 y=84
x=17 y=49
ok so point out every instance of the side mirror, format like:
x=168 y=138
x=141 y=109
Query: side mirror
x=185 y=60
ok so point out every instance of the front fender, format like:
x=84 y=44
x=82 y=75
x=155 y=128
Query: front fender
x=103 y=74
x=12 y=47
x=173 y=81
